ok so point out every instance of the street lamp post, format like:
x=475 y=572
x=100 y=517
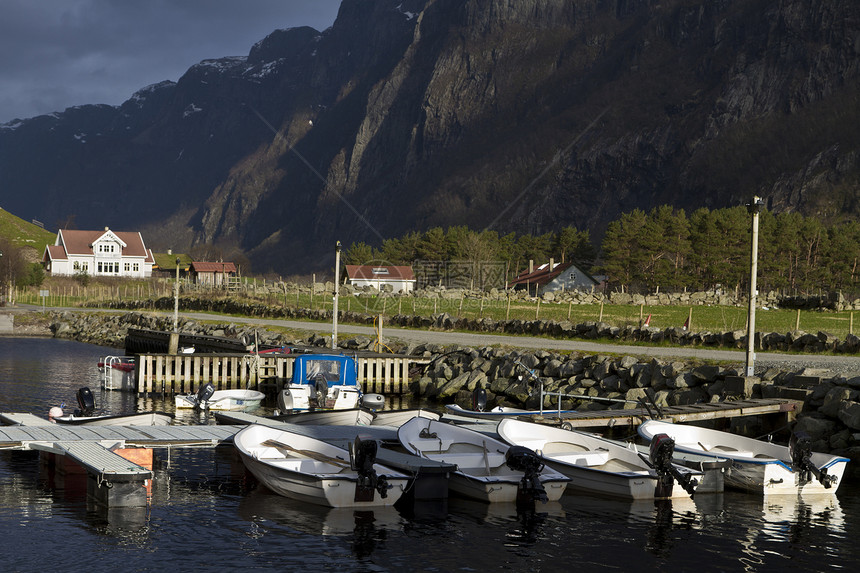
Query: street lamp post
x=336 y=294
x=754 y=209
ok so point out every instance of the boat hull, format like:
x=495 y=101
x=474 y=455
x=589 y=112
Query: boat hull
x=482 y=472
x=352 y=417
x=331 y=484
x=500 y=412
x=594 y=465
x=142 y=419
x=756 y=466
x=223 y=400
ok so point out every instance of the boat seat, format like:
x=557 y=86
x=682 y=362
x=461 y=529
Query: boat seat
x=580 y=458
x=730 y=450
x=562 y=448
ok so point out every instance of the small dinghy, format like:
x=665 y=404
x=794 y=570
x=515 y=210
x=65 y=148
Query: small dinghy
x=397 y=418
x=307 y=469
x=85 y=415
x=488 y=469
x=208 y=398
x=599 y=466
x=350 y=417
x=758 y=467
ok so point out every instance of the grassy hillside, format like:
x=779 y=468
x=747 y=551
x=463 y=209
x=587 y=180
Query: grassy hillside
x=26 y=235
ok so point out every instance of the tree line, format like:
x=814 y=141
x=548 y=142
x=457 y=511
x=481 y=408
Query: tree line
x=664 y=249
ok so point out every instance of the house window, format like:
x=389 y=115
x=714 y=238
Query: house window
x=136 y=267
x=85 y=267
x=76 y=265
x=127 y=267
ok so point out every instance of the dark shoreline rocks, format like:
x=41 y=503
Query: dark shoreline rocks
x=828 y=402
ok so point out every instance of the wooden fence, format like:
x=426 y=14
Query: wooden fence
x=184 y=374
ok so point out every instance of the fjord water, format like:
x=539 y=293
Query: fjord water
x=208 y=514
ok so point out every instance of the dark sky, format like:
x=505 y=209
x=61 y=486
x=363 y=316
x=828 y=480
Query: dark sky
x=60 y=53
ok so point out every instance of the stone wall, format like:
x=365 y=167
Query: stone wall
x=798 y=341
x=830 y=410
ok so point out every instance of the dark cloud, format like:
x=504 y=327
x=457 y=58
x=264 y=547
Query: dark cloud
x=59 y=53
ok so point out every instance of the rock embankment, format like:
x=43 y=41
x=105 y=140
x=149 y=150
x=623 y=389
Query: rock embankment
x=829 y=402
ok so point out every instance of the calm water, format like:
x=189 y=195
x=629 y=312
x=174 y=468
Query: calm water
x=207 y=515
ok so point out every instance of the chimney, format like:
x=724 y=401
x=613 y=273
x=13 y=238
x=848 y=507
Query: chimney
x=531 y=266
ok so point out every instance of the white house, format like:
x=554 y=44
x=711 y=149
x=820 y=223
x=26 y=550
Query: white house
x=98 y=253
x=401 y=278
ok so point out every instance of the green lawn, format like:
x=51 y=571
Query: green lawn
x=704 y=318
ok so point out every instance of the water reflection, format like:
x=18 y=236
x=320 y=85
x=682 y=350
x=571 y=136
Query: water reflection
x=363 y=528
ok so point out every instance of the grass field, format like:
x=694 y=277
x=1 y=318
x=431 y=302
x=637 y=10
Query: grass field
x=703 y=318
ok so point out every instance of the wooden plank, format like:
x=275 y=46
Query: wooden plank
x=387 y=365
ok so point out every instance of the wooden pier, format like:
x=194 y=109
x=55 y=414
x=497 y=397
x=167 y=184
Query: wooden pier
x=185 y=373
x=114 y=479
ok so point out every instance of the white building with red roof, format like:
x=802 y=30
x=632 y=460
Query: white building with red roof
x=401 y=278
x=99 y=254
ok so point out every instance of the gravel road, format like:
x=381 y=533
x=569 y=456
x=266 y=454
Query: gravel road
x=844 y=365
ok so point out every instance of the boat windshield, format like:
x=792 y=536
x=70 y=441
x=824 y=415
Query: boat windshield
x=329 y=369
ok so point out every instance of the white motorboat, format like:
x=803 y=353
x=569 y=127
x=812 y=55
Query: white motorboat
x=487 y=469
x=138 y=419
x=86 y=415
x=325 y=382
x=757 y=466
x=307 y=469
x=500 y=412
x=207 y=398
x=600 y=466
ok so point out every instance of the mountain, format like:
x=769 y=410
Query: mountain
x=524 y=116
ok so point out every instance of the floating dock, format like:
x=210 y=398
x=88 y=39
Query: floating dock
x=115 y=479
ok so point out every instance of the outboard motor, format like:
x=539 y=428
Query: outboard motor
x=86 y=402
x=522 y=459
x=479 y=399
x=321 y=389
x=800 y=448
x=660 y=458
x=285 y=401
x=362 y=456
x=204 y=393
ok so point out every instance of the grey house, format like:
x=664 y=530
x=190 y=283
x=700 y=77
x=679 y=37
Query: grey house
x=553 y=277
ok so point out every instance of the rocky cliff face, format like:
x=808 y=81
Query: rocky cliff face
x=517 y=115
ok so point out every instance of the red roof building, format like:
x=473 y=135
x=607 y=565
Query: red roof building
x=215 y=274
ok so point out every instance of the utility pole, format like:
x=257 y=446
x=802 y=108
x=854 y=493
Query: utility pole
x=176 y=299
x=336 y=293
x=754 y=209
